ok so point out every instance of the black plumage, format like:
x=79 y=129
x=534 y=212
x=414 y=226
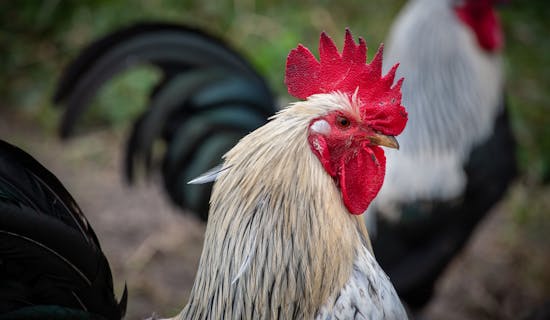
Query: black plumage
x=208 y=98
x=51 y=263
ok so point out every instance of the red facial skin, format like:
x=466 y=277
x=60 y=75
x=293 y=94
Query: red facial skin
x=347 y=154
x=481 y=17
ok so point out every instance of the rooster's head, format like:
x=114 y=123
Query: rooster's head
x=364 y=112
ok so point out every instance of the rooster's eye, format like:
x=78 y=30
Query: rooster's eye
x=343 y=122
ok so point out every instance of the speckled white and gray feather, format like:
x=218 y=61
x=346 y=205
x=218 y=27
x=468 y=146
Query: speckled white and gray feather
x=368 y=286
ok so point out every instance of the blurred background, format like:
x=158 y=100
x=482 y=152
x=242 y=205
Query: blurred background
x=502 y=274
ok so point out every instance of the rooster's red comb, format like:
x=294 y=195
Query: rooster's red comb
x=347 y=73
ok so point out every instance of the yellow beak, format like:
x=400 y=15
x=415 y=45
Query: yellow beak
x=384 y=140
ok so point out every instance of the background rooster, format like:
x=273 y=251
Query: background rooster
x=51 y=264
x=287 y=200
x=208 y=98
x=458 y=153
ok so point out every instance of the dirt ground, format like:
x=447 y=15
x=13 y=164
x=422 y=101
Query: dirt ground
x=154 y=248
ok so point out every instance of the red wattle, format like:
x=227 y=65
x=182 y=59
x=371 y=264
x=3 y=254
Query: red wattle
x=361 y=177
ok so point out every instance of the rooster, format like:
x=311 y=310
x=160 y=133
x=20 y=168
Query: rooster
x=209 y=98
x=284 y=237
x=458 y=153
x=51 y=263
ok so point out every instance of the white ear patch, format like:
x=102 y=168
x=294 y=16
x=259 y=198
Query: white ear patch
x=321 y=126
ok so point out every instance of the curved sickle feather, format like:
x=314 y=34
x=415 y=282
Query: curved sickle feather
x=202 y=76
x=171 y=47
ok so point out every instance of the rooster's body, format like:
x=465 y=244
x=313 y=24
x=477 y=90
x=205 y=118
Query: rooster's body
x=458 y=153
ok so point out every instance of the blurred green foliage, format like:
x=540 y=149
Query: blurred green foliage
x=527 y=29
x=38 y=38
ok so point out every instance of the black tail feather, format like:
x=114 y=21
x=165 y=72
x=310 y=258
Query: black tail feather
x=49 y=254
x=34 y=186
x=173 y=48
x=203 y=78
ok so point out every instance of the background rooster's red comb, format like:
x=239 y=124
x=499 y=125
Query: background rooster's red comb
x=348 y=73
